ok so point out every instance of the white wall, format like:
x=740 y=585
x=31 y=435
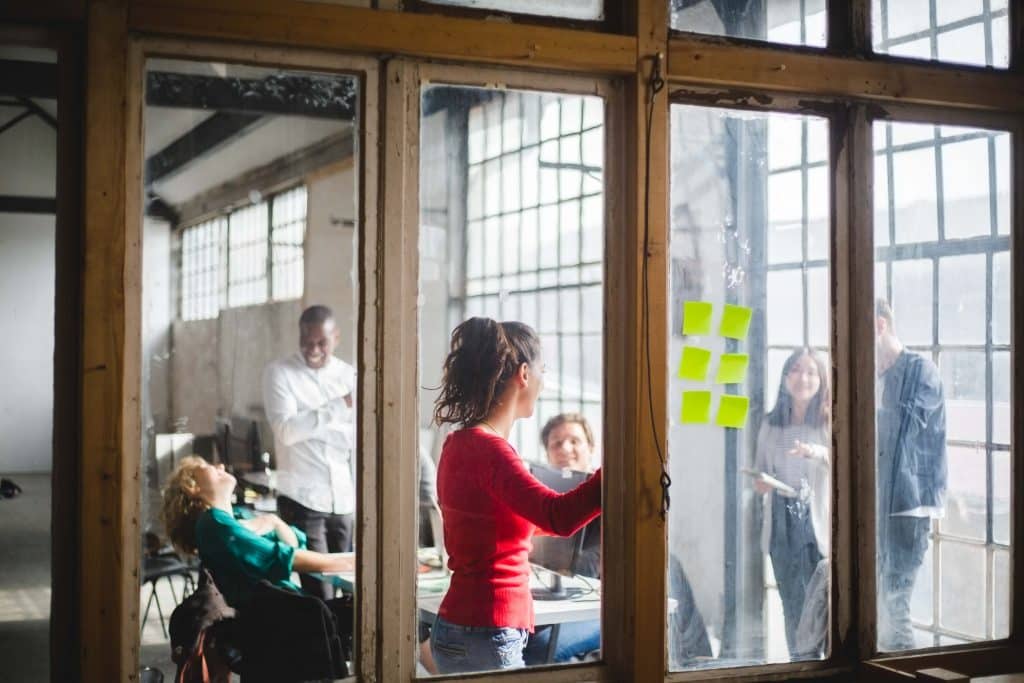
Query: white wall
x=27 y=270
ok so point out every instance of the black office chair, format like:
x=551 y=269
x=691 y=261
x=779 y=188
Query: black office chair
x=165 y=567
x=148 y=674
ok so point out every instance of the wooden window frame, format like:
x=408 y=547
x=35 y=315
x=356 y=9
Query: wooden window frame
x=845 y=71
x=400 y=346
x=366 y=70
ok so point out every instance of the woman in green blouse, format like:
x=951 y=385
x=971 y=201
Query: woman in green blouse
x=238 y=552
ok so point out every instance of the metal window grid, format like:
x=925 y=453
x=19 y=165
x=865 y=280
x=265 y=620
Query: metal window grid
x=247 y=256
x=936 y=253
x=935 y=29
x=535 y=238
x=202 y=287
x=287 y=239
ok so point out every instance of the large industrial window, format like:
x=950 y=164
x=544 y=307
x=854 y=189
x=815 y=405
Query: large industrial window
x=942 y=224
x=202 y=285
x=248 y=256
x=963 y=31
x=535 y=237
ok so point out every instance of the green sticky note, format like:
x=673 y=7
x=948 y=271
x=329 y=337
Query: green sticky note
x=732 y=411
x=697 y=317
x=693 y=364
x=732 y=368
x=735 y=322
x=696 y=407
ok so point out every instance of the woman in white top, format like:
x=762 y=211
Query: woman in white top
x=793 y=447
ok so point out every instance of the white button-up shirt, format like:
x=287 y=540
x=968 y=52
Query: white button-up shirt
x=314 y=437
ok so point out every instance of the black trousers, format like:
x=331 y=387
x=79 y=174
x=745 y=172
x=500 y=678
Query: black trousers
x=325 y=533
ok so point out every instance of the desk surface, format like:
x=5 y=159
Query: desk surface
x=584 y=607
x=433 y=585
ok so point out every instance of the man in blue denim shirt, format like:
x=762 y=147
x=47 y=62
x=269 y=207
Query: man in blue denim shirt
x=911 y=474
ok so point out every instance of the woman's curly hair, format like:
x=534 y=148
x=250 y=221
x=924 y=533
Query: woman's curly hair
x=181 y=510
x=484 y=355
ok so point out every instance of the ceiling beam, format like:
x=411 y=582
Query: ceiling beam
x=13 y=204
x=197 y=143
x=270 y=177
x=332 y=97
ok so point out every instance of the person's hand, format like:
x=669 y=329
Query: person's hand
x=760 y=486
x=801 y=450
x=348 y=399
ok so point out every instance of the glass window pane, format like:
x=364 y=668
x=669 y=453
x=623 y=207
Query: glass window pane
x=962 y=299
x=943 y=464
x=727 y=198
x=526 y=257
x=776 y=21
x=965 y=511
x=960 y=567
x=912 y=297
x=966 y=190
x=592 y=10
x=225 y=380
x=914 y=195
x=958 y=27
x=1001 y=594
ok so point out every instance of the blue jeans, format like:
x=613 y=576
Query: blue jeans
x=575 y=639
x=903 y=542
x=459 y=649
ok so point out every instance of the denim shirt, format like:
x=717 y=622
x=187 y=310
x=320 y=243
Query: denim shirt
x=911 y=436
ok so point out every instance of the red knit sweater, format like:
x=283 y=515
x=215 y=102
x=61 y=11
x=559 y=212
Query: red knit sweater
x=491 y=506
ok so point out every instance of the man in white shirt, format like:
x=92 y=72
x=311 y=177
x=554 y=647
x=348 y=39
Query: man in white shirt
x=308 y=400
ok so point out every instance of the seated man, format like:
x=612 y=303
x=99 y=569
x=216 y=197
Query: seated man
x=569 y=444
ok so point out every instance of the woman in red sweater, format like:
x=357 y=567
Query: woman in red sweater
x=490 y=502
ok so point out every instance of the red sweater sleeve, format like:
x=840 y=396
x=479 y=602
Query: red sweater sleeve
x=556 y=513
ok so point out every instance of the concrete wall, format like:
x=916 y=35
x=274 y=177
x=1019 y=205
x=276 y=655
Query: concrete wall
x=157 y=314
x=28 y=152
x=331 y=251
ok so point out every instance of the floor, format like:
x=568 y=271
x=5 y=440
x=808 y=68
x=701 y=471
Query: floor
x=25 y=581
x=25 y=590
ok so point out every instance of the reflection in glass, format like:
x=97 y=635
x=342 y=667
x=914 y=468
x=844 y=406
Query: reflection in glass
x=960 y=31
x=249 y=221
x=569 y=9
x=943 y=397
x=512 y=228
x=749 y=525
x=790 y=22
x=28 y=248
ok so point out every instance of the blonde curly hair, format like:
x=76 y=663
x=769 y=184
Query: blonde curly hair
x=181 y=510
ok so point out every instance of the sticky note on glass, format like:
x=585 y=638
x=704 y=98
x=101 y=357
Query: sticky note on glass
x=697 y=317
x=735 y=322
x=732 y=368
x=693 y=364
x=696 y=407
x=732 y=411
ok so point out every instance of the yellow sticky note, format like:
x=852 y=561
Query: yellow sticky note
x=732 y=411
x=735 y=322
x=732 y=368
x=696 y=407
x=693 y=364
x=697 y=317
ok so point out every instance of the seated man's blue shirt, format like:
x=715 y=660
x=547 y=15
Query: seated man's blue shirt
x=239 y=558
